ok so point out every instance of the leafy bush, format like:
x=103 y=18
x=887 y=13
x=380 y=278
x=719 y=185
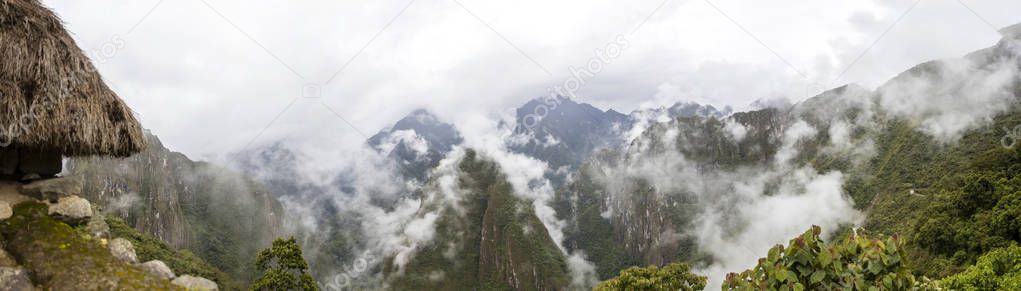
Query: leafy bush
x=808 y=263
x=999 y=269
x=676 y=276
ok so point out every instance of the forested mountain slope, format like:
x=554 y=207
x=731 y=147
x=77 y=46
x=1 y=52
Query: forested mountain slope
x=190 y=205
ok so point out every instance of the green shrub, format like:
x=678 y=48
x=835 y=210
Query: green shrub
x=676 y=276
x=999 y=269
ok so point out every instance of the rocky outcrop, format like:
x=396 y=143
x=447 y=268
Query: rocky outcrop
x=73 y=210
x=5 y=210
x=55 y=256
x=52 y=189
x=97 y=227
x=195 y=283
x=62 y=258
x=123 y=250
x=15 y=279
x=158 y=268
x=12 y=276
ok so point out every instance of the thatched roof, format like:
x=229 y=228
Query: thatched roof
x=49 y=84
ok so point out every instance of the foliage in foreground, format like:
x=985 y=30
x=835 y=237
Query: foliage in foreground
x=676 y=276
x=284 y=268
x=808 y=263
x=999 y=269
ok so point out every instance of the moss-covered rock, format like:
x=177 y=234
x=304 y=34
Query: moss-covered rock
x=61 y=258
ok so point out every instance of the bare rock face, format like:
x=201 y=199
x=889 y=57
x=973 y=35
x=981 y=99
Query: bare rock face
x=97 y=226
x=123 y=249
x=72 y=210
x=6 y=260
x=195 y=283
x=158 y=269
x=15 y=279
x=52 y=189
x=5 y=210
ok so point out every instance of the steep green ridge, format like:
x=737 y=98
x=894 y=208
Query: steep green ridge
x=217 y=214
x=496 y=243
x=955 y=202
x=62 y=258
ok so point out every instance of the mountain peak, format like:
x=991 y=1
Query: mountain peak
x=420 y=139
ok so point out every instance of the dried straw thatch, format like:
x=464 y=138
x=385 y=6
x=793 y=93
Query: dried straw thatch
x=51 y=96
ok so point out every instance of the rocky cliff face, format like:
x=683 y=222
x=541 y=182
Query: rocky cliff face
x=191 y=205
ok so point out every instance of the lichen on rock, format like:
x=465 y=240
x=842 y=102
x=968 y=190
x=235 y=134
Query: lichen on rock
x=123 y=249
x=158 y=268
x=61 y=258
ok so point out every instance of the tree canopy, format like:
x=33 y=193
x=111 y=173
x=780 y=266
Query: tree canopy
x=676 y=276
x=283 y=268
x=999 y=269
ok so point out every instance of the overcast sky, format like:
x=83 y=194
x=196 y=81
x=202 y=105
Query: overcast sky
x=214 y=76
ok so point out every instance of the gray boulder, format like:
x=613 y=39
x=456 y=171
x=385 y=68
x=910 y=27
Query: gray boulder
x=195 y=283
x=123 y=249
x=52 y=189
x=5 y=210
x=97 y=227
x=6 y=260
x=15 y=279
x=158 y=268
x=73 y=210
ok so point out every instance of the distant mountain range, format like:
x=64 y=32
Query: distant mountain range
x=565 y=133
x=922 y=156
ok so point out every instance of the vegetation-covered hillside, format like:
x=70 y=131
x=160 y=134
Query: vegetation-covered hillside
x=193 y=206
